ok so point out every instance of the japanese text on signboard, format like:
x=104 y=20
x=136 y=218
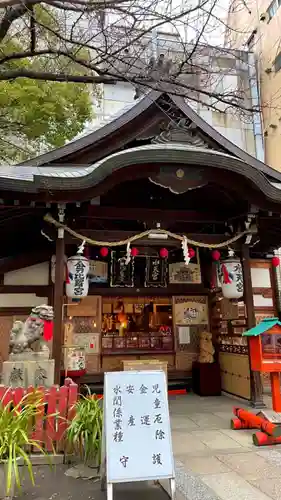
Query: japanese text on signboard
x=138 y=432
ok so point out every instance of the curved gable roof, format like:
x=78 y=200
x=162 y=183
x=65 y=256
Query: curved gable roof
x=62 y=180
x=131 y=112
x=103 y=130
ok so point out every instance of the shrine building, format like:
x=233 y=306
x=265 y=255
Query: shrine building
x=175 y=229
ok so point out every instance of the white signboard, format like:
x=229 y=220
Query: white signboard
x=137 y=427
x=184 y=334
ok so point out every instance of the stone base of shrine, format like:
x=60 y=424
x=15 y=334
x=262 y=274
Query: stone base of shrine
x=27 y=373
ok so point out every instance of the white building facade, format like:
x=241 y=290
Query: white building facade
x=224 y=73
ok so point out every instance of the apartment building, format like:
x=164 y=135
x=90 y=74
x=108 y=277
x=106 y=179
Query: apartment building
x=221 y=71
x=256 y=26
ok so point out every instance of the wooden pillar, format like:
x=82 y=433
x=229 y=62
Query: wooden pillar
x=256 y=383
x=58 y=304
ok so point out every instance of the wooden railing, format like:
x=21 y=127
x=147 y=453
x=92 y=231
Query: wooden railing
x=57 y=410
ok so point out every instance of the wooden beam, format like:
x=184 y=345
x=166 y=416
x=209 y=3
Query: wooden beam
x=153 y=215
x=58 y=305
x=15 y=311
x=23 y=260
x=180 y=289
x=38 y=290
x=256 y=383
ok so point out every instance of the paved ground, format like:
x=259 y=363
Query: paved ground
x=212 y=462
x=215 y=463
x=55 y=485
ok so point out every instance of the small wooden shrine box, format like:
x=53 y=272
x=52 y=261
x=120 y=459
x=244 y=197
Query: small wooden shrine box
x=265 y=345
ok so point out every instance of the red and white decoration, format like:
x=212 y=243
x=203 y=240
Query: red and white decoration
x=231 y=277
x=191 y=253
x=75 y=361
x=104 y=252
x=275 y=261
x=185 y=251
x=164 y=253
x=128 y=254
x=216 y=255
x=78 y=275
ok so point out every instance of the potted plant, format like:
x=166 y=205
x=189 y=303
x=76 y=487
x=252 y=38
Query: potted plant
x=16 y=429
x=84 y=433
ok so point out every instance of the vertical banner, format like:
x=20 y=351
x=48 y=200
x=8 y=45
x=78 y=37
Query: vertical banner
x=121 y=274
x=155 y=272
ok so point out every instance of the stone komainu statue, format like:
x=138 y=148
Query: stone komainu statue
x=206 y=348
x=37 y=327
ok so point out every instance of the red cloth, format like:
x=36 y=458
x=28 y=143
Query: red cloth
x=67 y=280
x=48 y=330
x=73 y=374
x=226 y=278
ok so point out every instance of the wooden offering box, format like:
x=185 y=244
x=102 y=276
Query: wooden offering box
x=146 y=364
x=265 y=345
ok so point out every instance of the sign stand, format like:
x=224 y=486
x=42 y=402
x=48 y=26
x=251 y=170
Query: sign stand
x=136 y=444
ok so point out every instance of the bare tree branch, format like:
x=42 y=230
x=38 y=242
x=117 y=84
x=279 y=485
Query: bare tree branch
x=163 y=45
x=54 y=77
x=94 y=5
x=9 y=17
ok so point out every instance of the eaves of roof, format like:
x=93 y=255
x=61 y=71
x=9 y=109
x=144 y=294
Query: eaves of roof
x=33 y=179
x=129 y=113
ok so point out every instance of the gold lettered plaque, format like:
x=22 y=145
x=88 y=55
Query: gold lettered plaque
x=190 y=310
x=180 y=273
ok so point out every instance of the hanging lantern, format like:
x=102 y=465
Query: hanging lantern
x=104 y=252
x=53 y=267
x=275 y=261
x=231 y=277
x=134 y=252
x=78 y=276
x=163 y=253
x=216 y=255
x=191 y=252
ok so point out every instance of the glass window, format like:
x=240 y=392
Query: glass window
x=252 y=40
x=272 y=9
x=271 y=347
x=137 y=324
x=277 y=62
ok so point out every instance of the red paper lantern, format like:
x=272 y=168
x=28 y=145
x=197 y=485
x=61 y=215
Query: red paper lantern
x=104 y=251
x=163 y=253
x=134 y=252
x=191 y=252
x=216 y=255
x=275 y=261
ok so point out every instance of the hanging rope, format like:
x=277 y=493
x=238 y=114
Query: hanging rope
x=51 y=220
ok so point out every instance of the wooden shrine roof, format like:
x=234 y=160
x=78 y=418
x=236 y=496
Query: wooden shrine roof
x=79 y=169
x=66 y=154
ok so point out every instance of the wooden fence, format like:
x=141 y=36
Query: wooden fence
x=51 y=421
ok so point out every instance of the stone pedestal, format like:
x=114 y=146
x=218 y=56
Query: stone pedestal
x=25 y=373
